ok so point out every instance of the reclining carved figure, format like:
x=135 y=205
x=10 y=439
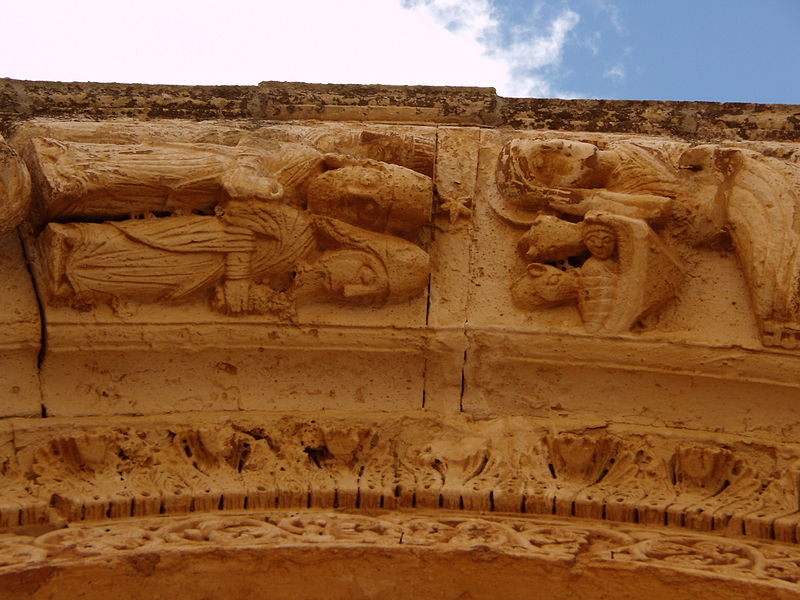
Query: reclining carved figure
x=262 y=226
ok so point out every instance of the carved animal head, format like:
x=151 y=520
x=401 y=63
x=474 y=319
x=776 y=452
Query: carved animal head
x=544 y=286
x=551 y=239
x=525 y=167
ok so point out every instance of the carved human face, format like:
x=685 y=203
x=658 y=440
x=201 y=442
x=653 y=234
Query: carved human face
x=601 y=242
x=382 y=198
x=357 y=195
x=353 y=275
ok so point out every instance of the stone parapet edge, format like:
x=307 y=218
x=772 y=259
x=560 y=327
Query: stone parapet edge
x=20 y=100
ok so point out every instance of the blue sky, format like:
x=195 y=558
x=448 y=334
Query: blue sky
x=715 y=50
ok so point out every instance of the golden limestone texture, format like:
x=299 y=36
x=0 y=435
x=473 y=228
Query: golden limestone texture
x=374 y=341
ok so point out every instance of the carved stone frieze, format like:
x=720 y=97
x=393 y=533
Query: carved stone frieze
x=261 y=224
x=693 y=196
x=482 y=264
x=769 y=568
x=382 y=335
x=607 y=268
x=144 y=467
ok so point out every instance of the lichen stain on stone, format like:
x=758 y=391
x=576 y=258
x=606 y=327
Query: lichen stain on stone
x=145 y=564
x=27 y=583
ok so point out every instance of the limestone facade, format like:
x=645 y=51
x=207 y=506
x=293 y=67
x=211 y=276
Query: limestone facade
x=349 y=327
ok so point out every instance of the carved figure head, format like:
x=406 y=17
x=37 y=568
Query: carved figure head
x=379 y=197
x=600 y=239
x=362 y=267
x=527 y=165
x=354 y=275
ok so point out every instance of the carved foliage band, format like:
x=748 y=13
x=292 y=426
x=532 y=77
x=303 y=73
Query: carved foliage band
x=498 y=465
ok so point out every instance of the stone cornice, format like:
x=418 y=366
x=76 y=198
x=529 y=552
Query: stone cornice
x=20 y=100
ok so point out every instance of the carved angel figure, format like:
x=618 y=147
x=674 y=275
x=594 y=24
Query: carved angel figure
x=627 y=272
x=694 y=194
x=761 y=206
x=266 y=226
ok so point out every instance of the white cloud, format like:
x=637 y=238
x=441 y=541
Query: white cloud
x=616 y=72
x=431 y=42
x=592 y=42
x=519 y=62
x=530 y=54
x=614 y=15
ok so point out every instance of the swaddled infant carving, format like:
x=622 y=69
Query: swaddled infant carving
x=650 y=196
x=629 y=273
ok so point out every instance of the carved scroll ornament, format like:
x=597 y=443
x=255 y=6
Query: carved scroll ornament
x=552 y=540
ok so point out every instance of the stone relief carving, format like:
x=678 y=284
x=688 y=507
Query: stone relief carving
x=259 y=219
x=551 y=540
x=609 y=226
x=260 y=226
x=15 y=188
x=517 y=466
x=629 y=273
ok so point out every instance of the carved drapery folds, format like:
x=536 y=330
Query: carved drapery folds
x=485 y=266
x=257 y=220
x=618 y=316
x=255 y=227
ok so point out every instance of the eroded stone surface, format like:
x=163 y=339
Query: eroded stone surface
x=20 y=333
x=259 y=235
x=609 y=292
x=84 y=470
x=537 y=290
x=476 y=106
x=368 y=553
